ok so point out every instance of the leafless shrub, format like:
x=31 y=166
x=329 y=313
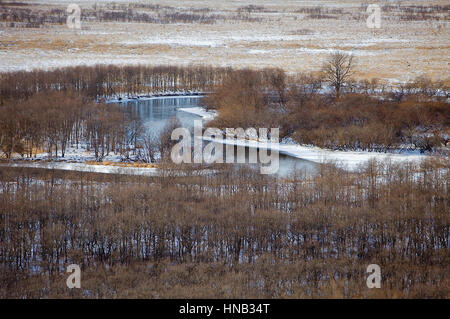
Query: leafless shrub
x=322 y=16
x=52 y=121
x=192 y=236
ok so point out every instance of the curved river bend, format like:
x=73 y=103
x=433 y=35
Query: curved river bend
x=156 y=112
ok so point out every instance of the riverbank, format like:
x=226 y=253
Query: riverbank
x=349 y=160
x=200 y=111
x=124 y=98
x=77 y=158
x=89 y=168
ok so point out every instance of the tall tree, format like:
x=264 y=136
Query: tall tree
x=338 y=69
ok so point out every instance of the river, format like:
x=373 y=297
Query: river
x=156 y=112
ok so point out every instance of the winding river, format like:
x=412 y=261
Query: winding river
x=156 y=112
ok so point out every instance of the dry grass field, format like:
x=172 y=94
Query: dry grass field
x=297 y=36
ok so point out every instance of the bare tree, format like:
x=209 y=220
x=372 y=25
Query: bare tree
x=338 y=69
x=150 y=147
x=165 y=142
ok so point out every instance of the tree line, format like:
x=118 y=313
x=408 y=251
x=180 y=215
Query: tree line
x=102 y=81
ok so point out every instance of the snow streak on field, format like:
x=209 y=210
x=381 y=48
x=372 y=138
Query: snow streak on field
x=275 y=34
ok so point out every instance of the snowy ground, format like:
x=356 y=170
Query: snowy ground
x=200 y=111
x=80 y=159
x=73 y=154
x=82 y=167
x=283 y=37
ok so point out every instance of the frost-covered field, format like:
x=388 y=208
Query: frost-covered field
x=272 y=34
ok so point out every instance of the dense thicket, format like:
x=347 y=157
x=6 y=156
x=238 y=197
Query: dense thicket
x=234 y=234
x=109 y=80
x=52 y=121
x=369 y=116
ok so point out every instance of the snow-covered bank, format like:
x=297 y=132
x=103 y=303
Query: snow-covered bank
x=82 y=167
x=165 y=95
x=200 y=111
x=349 y=160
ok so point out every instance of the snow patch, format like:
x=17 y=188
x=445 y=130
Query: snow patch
x=349 y=160
x=200 y=111
x=81 y=167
